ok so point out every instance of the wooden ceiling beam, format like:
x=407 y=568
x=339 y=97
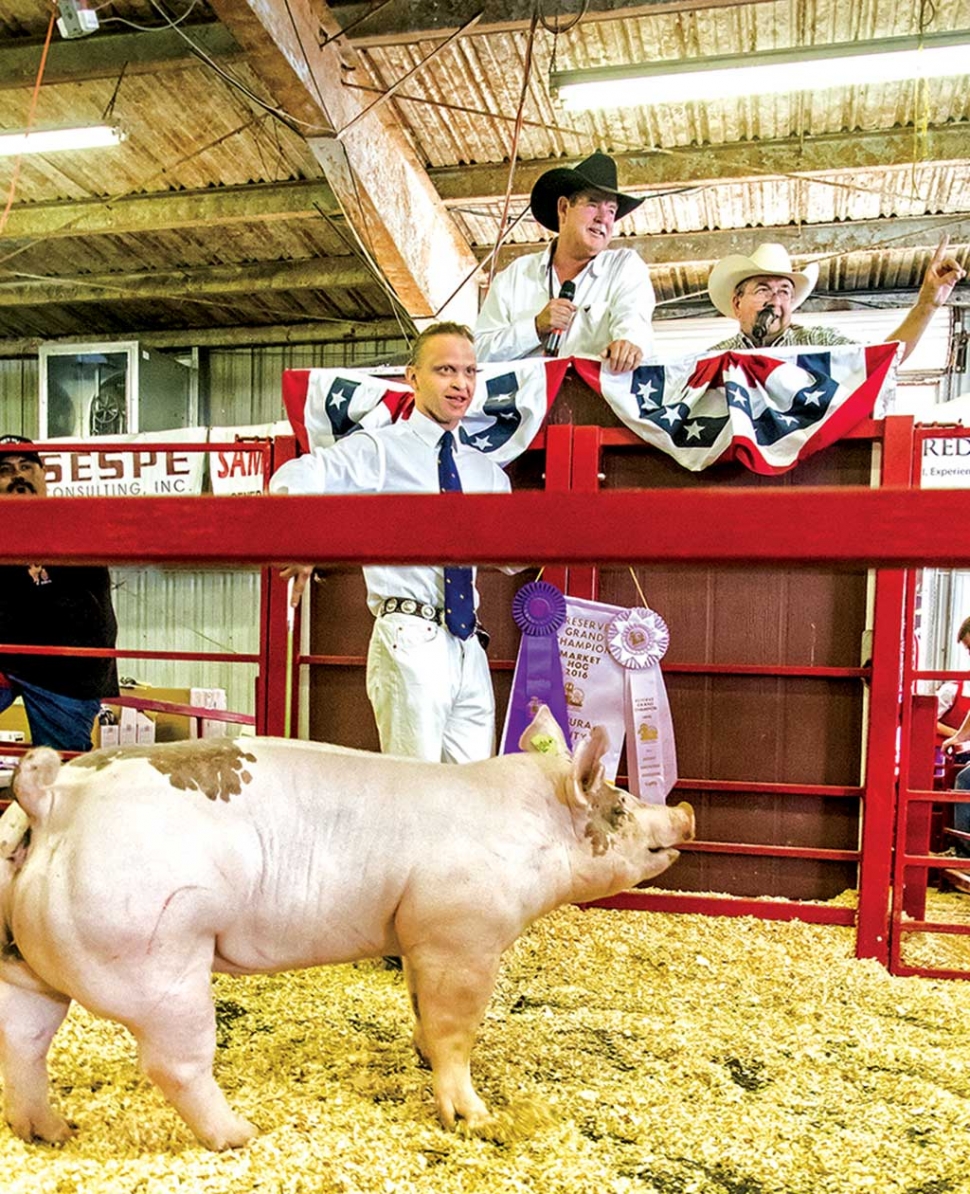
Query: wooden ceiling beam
x=404 y=21
x=461 y=186
x=103 y=55
x=321 y=332
x=331 y=273
x=378 y=179
x=172 y=209
x=465 y=185
x=336 y=273
x=805 y=241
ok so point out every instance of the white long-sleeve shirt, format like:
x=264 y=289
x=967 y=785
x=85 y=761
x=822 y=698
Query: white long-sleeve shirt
x=614 y=300
x=400 y=458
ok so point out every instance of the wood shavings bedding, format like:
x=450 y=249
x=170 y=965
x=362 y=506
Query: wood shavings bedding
x=623 y=1052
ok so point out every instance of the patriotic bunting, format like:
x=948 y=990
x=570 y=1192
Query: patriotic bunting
x=768 y=410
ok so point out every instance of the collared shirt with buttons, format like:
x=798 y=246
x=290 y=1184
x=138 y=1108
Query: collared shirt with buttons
x=614 y=300
x=400 y=458
x=794 y=336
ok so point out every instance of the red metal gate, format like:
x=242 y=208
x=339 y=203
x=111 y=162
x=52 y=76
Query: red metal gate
x=916 y=869
x=826 y=821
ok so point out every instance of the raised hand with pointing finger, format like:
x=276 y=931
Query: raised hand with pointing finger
x=942 y=274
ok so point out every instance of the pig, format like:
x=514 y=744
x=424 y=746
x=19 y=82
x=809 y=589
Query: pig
x=146 y=868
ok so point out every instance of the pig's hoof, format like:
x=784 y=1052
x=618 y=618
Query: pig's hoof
x=50 y=1128
x=422 y=1055
x=235 y=1134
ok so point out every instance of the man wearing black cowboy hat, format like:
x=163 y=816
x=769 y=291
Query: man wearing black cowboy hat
x=57 y=606
x=577 y=297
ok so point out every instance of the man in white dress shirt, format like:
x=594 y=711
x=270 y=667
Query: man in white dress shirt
x=526 y=314
x=430 y=687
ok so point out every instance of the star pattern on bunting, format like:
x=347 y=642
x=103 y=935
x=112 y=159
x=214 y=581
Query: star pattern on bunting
x=647 y=387
x=339 y=397
x=502 y=406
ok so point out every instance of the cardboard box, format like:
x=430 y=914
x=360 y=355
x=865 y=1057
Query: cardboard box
x=136 y=726
x=168 y=727
x=14 y=720
x=209 y=698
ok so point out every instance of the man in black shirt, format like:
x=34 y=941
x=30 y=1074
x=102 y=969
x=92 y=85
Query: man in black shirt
x=56 y=606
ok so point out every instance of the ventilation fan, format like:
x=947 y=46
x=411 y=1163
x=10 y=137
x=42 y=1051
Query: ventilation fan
x=106 y=415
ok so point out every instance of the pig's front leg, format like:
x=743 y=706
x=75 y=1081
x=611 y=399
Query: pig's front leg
x=450 y=990
x=29 y=1017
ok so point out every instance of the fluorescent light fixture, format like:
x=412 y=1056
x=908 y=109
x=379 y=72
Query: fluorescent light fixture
x=807 y=69
x=51 y=140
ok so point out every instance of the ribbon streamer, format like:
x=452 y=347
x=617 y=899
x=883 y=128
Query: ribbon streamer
x=539 y=610
x=637 y=639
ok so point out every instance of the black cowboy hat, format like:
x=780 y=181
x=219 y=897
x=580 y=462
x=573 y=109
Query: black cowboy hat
x=597 y=172
x=16 y=445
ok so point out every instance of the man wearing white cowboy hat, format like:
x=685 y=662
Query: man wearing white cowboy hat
x=577 y=297
x=762 y=291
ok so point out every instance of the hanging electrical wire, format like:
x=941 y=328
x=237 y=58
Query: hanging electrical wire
x=556 y=29
x=294 y=123
x=32 y=111
x=514 y=147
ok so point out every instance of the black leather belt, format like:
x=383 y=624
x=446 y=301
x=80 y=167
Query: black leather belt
x=430 y=613
x=417 y=609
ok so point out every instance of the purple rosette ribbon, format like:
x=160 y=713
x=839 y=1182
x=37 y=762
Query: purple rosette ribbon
x=539 y=610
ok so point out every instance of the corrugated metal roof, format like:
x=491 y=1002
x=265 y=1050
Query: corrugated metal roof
x=189 y=130
x=486 y=71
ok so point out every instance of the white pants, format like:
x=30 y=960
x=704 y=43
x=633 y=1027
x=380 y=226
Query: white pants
x=431 y=692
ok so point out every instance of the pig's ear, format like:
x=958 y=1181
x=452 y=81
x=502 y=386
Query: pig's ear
x=544 y=735
x=588 y=772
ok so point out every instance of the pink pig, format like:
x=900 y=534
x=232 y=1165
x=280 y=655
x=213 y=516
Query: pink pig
x=149 y=867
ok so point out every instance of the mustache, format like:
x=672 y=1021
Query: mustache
x=21 y=485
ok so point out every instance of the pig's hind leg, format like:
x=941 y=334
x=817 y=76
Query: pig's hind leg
x=450 y=990
x=29 y=1018
x=176 y=1037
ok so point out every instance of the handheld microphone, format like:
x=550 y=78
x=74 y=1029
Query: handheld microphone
x=567 y=291
x=763 y=320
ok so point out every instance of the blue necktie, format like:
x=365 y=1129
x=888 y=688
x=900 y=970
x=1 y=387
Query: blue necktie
x=459 y=602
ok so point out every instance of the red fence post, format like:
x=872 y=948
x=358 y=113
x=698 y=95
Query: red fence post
x=587 y=452
x=273 y=692
x=879 y=801
x=558 y=477
x=915 y=818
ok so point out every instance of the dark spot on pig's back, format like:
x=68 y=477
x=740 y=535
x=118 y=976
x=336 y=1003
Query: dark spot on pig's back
x=215 y=766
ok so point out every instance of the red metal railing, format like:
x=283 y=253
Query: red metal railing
x=267 y=451
x=913 y=863
x=891 y=528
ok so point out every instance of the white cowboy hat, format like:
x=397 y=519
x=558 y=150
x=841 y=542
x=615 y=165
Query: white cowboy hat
x=768 y=258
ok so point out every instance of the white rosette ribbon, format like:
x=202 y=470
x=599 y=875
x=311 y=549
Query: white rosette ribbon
x=638 y=639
